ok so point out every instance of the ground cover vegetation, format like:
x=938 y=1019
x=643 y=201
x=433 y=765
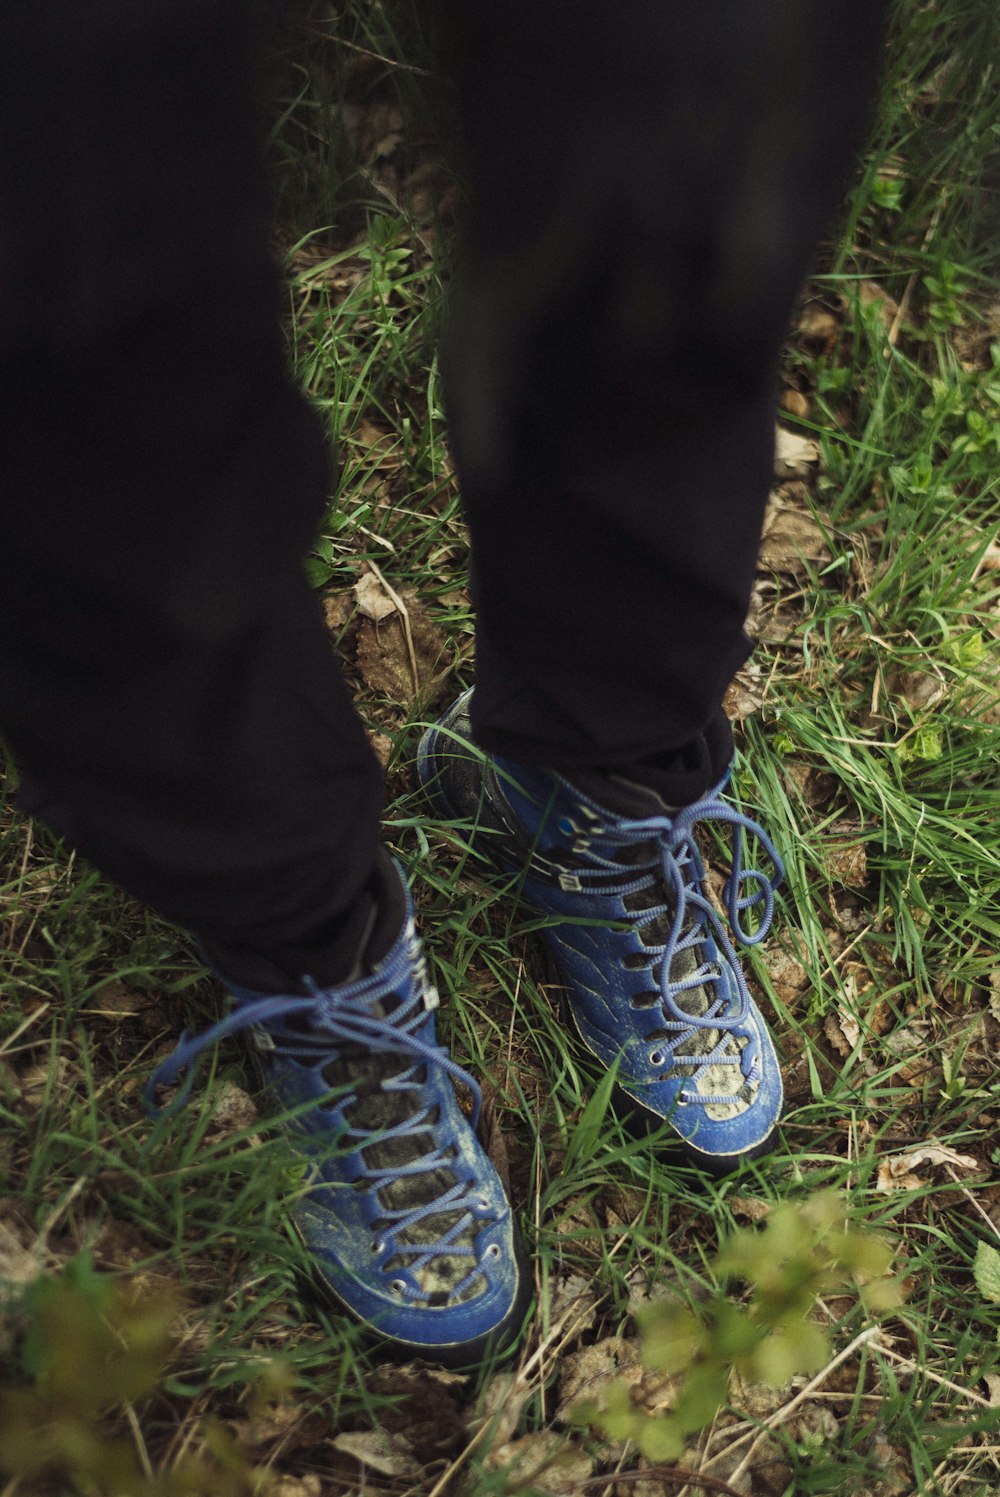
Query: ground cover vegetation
x=154 y=1333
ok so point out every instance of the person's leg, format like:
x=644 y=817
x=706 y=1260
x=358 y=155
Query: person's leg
x=166 y=680
x=647 y=189
x=164 y=673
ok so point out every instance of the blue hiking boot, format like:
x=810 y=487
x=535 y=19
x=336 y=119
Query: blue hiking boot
x=406 y=1220
x=653 y=982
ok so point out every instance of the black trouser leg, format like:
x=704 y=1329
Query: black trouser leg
x=165 y=676
x=648 y=188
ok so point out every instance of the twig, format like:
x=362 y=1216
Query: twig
x=675 y=1474
x=780 y=1415
x=392 y=62
x=974 y=1203
x=490 y=1424
x=908 y=1365
x=405 y=616
x=32 y=1018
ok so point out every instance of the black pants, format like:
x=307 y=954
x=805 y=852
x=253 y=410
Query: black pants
x=647 y=189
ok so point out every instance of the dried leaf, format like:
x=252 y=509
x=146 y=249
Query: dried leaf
x=298 y=1486
x=845 y=856
x=500 y=1405
x=113 y=1000
x=384 y=651
x=272 y=1424
x=37 y=1080
x=750 y=1208
x=381 y=444
x=585 y=1372
x=870 y=293
x=792 y=538
x=991 y=1382
x=372 y=598
x=574 y=1299
x=897 y=1171
x=789 y=978
x=819 y=327
x=389 y=1455
x=842 y=1031
x=795 y=403
x=382 y=745
x=233 y=1109
x=336 y=611
x=918 y=689
x=794 y=456
x=990 y=559
x=19 y=1265
x=994 y=996
x=544 y=1461
x=744 y=697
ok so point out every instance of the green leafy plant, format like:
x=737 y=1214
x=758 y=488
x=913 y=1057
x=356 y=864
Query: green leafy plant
x=800 y=1253
x=92 y=1349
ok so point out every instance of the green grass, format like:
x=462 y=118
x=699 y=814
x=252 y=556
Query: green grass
x=878 y=729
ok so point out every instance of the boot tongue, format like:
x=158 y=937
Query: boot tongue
x=656 y=785
x=617 y=792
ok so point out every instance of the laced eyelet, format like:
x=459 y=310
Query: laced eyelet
x=397 y=1286
x=378 y=1245
x=682 y=1099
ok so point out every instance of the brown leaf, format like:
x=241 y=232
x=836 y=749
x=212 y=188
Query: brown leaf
x=897 y=1172
x=794 y=456
x=382 y=745
x=816 y=786
x=19 y=1263
x=113 y=1000
x=838 y=1034
x=385 y=657
x=795 y=403
x=744 y=697
x=845 y=856
x=544 y=1461
x=788 y=977
x=37 y=1080
x=870 y=293
x=372 y=598
x=298 y=1486
x=918 y=689
x=584 y=1373
x=336 y=611
x=750 y=1208
x=819 y=327
x=500 y=1405
x=233 y=1109
x=994 y=995
x=792 y=537
x=388 y=1455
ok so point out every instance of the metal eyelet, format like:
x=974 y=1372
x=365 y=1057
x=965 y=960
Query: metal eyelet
x=378 y=1245
x=493 y=1251
x=397 y=1286
x=656 y=1057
